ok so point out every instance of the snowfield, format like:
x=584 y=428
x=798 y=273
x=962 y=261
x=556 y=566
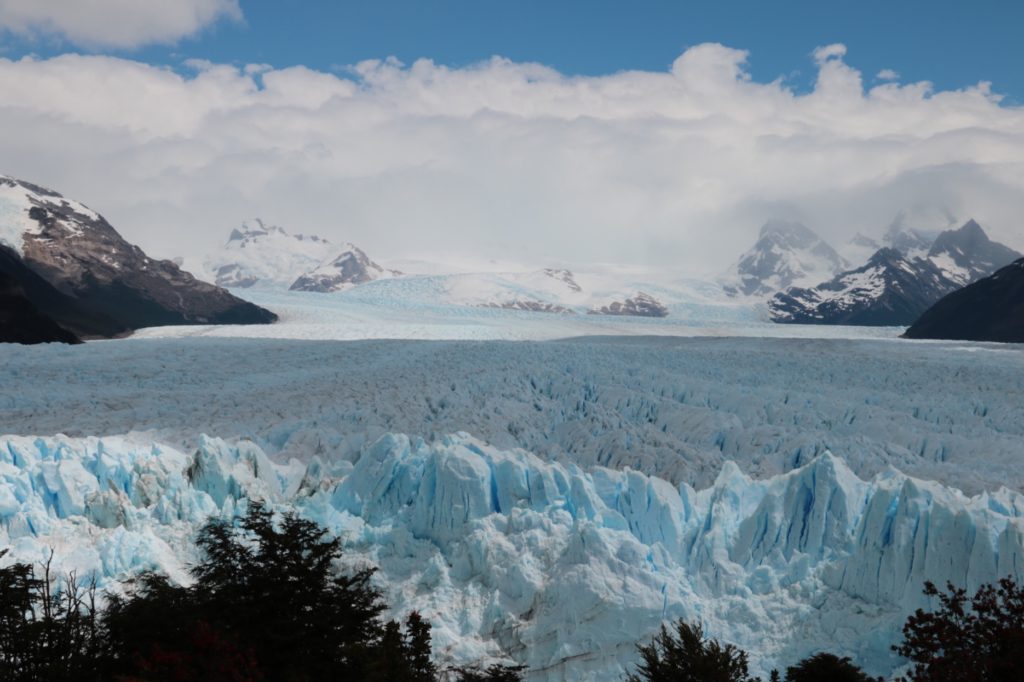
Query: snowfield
x=550 y=502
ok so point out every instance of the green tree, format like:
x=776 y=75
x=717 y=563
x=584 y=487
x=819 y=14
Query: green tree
x=977 y=639
x=825 y=667
x=686 y=655
x=497 y=672
x=48 y=626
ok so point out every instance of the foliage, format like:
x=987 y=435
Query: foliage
x=686 y=655
x=48 y=626
x=493 y=673
x=980 y=639
x=825 y=667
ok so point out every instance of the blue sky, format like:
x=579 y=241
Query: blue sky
x=951 y=43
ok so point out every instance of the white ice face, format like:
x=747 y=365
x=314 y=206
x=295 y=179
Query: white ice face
x=503 y=551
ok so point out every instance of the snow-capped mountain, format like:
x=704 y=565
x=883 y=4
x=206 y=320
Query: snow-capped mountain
x=786 y=254
x=890 y=289
x=894 y=288
x=258 y=254
x=79 y=271
x=966 y=254
x=345 y=270
x=990 y=309
x=638 y=305
x=910 y=242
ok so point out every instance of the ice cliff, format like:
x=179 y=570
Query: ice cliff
x=553 y=566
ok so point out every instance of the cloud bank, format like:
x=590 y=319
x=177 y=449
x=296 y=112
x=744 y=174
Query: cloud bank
x=515 y=160
x=90 y=23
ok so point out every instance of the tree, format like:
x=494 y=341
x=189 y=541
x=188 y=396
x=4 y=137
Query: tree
x=266 y=596
x=824 y=667
x=972 y=640
x=48 y=626
x=686 y=655
x=497 y=672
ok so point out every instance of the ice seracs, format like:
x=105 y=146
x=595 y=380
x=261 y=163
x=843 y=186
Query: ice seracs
x=342 y=271
x=511 y=556
x=78 y=270
x=260 y=254
x=786 y=254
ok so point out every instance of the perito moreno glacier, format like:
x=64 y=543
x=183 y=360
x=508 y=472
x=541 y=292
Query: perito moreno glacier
x=778 y=497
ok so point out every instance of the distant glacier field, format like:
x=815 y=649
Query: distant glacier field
x=546 y=501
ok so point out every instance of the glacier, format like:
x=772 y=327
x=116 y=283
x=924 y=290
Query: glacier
x=672 y=407
x=513 y=557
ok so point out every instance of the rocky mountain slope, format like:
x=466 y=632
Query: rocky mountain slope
x=894 y=287
x=640 y=305
x=22 y=322
x=967 y=254
x=90 y=280
x=991 y=309
x=345 y=270
x=890 y=289
x=786 y=254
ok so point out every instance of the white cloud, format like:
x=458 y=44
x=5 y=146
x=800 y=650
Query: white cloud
x=114 y=23
x=509 y=159
x=887 y=75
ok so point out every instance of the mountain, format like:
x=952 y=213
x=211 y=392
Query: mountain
x=891 y=289
x=347 y=269
x=640 y=305
x=258 y=254
x=967 y=254
x=894 y=288
x=991 y=309
x=22 y=322
x=908 y=241
x=76 y=269
x=786 y=254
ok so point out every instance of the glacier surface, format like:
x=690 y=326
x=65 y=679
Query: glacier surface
x=676 y=408
x=510 y=556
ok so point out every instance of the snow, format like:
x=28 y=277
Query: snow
x=560 y=568
x=264 y=255
x=14 y=220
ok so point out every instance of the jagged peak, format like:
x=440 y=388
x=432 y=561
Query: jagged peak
x=786 y=228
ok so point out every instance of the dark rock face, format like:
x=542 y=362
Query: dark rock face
x=967 y=254
x=890 y=290
x=564 y=276
x=20 y=319
x=785 y=253
x=352 y=266
x=894 y=288
x=991 y=309
x=532 y=306
x=641 y=305
x=115 y=287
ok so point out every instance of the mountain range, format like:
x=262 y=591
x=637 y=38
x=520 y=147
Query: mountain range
x=73 y=268
x=895 y=285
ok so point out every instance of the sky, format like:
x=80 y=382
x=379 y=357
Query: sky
x=661 y=133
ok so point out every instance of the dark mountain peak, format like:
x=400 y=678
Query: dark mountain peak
x=78 y=270
x=886 y=255
x=788 y=230
x=991 y=309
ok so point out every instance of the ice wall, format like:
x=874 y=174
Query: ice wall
x=560 y=568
